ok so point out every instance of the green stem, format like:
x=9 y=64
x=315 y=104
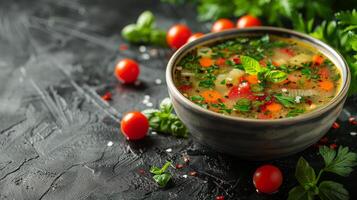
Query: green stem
x=318 y=176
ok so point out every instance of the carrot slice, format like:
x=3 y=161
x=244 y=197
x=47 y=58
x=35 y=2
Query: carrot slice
x=211 y=96
x=326 y=85
x=206 y=62
x=317 y=59
x=252 y=79
x=274 y=107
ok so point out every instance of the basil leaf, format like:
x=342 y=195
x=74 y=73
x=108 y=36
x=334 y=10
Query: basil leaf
x=166 y=105
x=299 y=193
x=256 y=88
x=276 y=76
x=287 y=101
x=146 y=20
x=132 y=33
x=304 y=173
x=162 y=179
x=329 y=190
x=250 y=65
x=158 y=37
x=340 y=164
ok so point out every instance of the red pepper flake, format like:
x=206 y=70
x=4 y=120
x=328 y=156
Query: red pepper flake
x=141 y=171
x=324 y=140
x=236 y=60
x=192 y=173
x=221 y=197
x=123 y=47
x=333 y=146
x=309 y=101
x=107 y=96
x=335 y=125
x=186 y=158
x=179 y=166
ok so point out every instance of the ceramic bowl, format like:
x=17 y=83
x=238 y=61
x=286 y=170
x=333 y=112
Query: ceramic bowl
x=255 y=139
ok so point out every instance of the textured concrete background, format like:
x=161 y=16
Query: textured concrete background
x=56 y=60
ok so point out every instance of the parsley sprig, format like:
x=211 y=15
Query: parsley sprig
x=161 y=177
x=340 y=162
x=164 y=121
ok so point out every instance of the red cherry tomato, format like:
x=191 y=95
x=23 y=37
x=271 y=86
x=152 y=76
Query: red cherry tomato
x=178 y=35
x=248 y=21
x=194 y=36
x=134 y=125
x=267 y=179
x=222 y=24
x=127 y=71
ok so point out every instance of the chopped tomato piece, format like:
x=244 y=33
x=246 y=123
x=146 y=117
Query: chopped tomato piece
x=287 y=51
x=324 y=73
x=206 y=62
x=264 y=116
x=236 y=60
x=185 y=88
x=220 y=61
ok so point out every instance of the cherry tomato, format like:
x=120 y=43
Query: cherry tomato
x=127 y=71
x=194 y=36
x=267 y=179
x=134 y=125
x=222 y=24
x=178 y=35
x=248 y=21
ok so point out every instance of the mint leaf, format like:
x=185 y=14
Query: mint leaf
x=250 y=65
x=299 y=193
x=305 y=174
x=162 y=179
x=287 y=101
x=340 y=163
x=276 y=76
x=329 y=190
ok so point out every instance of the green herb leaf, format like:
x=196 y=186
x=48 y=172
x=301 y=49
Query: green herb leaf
x=158 y=171
x=208 y=83
x=162 y=179
x=250 y=65
x=146 y=20
x=242 y=105
x=256 y=87
x=287 y=101
x=295 y=112
x=276 y=76
x=329 y=190
x=299 y=193
x=340 y=163
x=304 y=173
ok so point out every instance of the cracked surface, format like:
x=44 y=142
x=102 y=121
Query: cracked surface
x=56 y=60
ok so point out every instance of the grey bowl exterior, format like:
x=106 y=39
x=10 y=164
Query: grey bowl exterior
x=255 y=139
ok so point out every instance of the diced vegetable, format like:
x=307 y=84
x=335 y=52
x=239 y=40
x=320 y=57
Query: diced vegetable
x=211 y=96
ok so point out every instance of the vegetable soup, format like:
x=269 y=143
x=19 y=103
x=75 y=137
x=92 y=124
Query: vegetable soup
x=265 y=77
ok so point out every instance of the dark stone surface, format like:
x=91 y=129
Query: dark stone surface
x=56 y=60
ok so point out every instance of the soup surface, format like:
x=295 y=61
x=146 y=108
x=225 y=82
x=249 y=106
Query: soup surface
x=265 y=77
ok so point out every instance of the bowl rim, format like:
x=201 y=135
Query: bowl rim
x=231 y=32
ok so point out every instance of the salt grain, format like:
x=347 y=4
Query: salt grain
x=145 y=56
x=297 y=99
x=158 y=81
x=147 y=97
x=110 y=143
x=145 y=101
x=184 y=176
x=149 y=104
x=169 y=150
x=153 y=133
x=142 y=49
x=353 y=133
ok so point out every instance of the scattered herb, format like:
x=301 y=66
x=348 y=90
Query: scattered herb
x=340 y=162
x=161 y=177
x=144 y=31
x=242 y=105
x=295 y=112
x=164 y=121
x=287 y=101
x=276 y=76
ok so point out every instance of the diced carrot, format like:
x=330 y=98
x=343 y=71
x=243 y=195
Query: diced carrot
x=211 y=96
x=206 y=62
x=274 y=107
x=252 y=79
x=220 y=61
x=326 y=85
x=262 y=63
x=276 y=64
x=324 y=73
x=317 y=59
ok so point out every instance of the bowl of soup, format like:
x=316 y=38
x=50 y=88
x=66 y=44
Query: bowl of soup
x=258 y=93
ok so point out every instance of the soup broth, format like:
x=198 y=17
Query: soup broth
x=265 y=77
